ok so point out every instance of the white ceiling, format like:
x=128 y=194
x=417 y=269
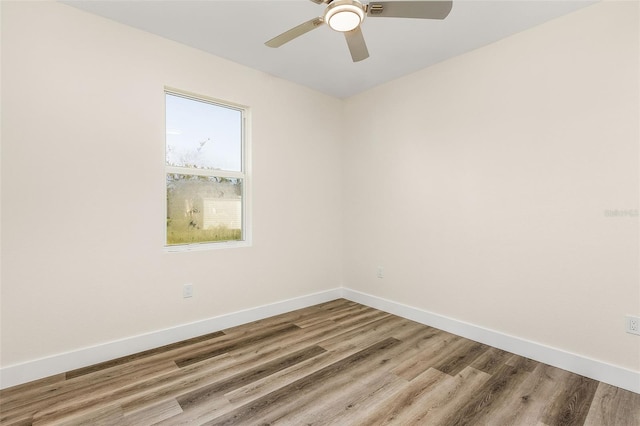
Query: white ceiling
x=236 y=30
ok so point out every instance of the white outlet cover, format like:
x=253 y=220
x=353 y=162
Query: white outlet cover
x=187 y=290
x=632 y=324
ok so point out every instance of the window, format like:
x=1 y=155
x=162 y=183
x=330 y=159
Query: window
x=205 y=172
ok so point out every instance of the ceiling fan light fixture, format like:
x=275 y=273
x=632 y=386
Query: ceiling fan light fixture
x=344 y=15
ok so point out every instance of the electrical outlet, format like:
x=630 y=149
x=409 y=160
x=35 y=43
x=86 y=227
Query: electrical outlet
x=632 y=324
x=187 y=290
x=380 y=272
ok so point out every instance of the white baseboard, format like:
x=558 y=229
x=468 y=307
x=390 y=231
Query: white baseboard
x=594 y=369
x=40 y=368
x=22 y=373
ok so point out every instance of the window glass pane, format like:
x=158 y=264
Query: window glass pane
x=203 y=209
x=203 y=135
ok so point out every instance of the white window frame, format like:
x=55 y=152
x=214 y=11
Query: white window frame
x=244 y=175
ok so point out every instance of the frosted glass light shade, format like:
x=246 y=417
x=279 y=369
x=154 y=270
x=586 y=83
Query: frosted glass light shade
x=344 y=15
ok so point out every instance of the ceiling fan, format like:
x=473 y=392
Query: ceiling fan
x=346 y=16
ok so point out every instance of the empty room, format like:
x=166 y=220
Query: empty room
x=228 y=212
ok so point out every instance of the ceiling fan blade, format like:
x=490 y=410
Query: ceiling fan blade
x=294 y=32
x=410 y=9
x=357 y=46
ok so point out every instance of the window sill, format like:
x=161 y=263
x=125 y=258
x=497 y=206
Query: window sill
x=206 y=246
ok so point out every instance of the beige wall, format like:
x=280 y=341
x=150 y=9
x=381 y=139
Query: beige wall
x=83 y=185
x=481 y=185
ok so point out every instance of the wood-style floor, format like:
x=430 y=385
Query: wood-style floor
x=338 y=363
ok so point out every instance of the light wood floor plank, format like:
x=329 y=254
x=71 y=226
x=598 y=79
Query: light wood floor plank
x=219 y=388
x=18 y=391
x=530 y=400
x=234 y=344
x=279 y=403
x=74 y=391
x=411 y=401
x=365 y=396
x=146 y=354
x=441 y=346
x=106 y=415
x=614 y=406
x=491 y=360
x=491 y=396
x=276 y=381
x=153 y=414
x=403 y=328
x=362 y=384
x=360 y=335
x=572 y=405
x=437 y=404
